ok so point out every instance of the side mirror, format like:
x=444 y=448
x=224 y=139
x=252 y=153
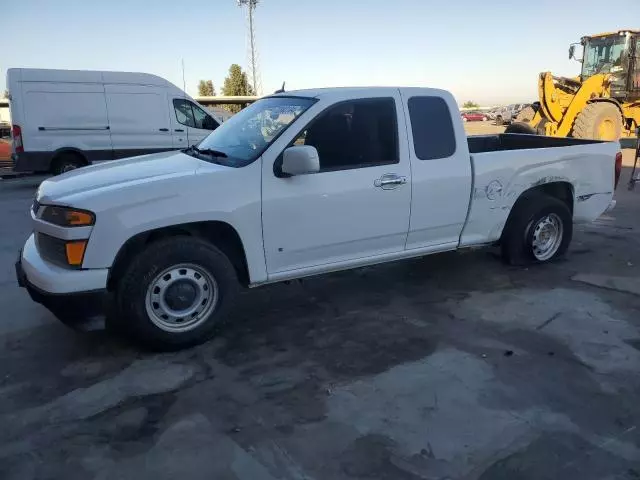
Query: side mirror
x=572 y=50
x=300 y=160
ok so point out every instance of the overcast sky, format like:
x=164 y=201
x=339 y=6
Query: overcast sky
x=489 y=51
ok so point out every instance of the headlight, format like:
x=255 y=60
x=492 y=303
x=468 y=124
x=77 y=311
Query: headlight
x=67 y=217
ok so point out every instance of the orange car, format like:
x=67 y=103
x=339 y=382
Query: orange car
x=5 y=150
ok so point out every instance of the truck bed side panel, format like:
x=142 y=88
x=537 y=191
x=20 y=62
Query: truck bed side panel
x=502 y=176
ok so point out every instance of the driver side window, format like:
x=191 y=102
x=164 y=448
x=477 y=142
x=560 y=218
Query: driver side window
x=184 y=113
x=193 y=116
x=354 y=134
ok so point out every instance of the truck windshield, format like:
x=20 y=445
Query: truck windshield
x=248 y=133
x=603 y=55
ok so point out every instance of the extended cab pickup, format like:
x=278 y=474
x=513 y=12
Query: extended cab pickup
x=298 y=184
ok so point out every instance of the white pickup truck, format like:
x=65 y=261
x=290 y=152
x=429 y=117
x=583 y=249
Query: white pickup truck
x=298 y=184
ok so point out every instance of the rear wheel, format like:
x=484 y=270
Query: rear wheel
x=175 y=293
x=539 y=230
x=599 y=120
x=499 y=120
x=65 y=162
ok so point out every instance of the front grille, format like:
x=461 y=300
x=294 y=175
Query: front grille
x=52 y=249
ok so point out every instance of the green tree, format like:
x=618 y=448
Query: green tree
x=470 y=104
x=236 y=84
x=206 y=89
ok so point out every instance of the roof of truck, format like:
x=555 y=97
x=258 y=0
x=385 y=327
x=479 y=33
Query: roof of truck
x=347 y=91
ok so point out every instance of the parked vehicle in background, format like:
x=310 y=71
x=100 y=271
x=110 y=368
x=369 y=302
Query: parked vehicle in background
x=65 y=119
x=5 y=153
x=491 y=114
x=297 y=184
x=473 y=117
x=507 y=114
x=603 y=102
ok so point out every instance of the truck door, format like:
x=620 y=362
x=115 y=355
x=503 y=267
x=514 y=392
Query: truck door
x=357 y=206
x=441 y=170
x=191 y=124
x=138 y=120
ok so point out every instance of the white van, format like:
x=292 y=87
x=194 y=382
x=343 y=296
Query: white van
x=65 y=119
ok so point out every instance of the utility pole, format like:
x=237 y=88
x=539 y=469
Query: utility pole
x=252 y=54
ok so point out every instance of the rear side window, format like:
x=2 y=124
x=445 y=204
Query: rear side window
x=432 y=128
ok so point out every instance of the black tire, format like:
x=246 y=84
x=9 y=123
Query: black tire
x=517 y=238
x=592 y=117
x=520 y=128
x=65 y=162
x=499 y=120
x=132 y=288
x=526 y=114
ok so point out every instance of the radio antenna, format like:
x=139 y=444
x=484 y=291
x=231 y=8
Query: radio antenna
x=184 y=91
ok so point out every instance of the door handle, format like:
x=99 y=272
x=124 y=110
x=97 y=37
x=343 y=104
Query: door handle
x=389 y=181
x=179 y=130
x=163 y=129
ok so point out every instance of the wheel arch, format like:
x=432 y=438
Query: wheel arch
x=562 y=190
x=221 y=234
x=57 y=154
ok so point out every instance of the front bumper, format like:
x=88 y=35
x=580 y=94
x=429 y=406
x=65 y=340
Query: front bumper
x=66 y=293
x=56 y=280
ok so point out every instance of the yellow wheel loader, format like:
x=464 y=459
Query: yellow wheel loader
x=602 y=103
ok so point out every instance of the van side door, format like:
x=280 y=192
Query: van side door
x=440 y=169
x=191 y=123
x=138 y=119
x=60 y=115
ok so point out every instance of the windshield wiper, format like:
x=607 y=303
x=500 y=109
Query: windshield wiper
x=206 y=151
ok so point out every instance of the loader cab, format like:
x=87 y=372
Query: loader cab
x=616 y=55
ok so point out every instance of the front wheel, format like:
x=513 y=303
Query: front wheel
x=175 y=293
x=539 y=230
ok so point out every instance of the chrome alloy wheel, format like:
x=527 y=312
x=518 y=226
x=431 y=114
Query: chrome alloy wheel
x=181 y=298
x=547 y=237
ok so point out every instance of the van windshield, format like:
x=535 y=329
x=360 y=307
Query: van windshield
x=246 y=135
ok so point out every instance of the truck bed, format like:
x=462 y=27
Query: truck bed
x=520 y=141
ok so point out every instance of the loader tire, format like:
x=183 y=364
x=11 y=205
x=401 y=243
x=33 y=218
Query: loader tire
x=600 y=121
x=518 y=127
x=525 y=115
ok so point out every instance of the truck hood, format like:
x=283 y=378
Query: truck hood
x=117 y=172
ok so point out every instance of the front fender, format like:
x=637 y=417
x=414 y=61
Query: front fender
x=210 y=195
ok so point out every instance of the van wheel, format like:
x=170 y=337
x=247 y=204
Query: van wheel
x=539 y=230
x=175 y=293
x=66 y=162
x=499 y=120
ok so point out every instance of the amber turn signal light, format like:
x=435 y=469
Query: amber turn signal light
x=67 y=217
x=75 y=252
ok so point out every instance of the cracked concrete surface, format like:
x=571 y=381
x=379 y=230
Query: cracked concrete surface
x=448 y=367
